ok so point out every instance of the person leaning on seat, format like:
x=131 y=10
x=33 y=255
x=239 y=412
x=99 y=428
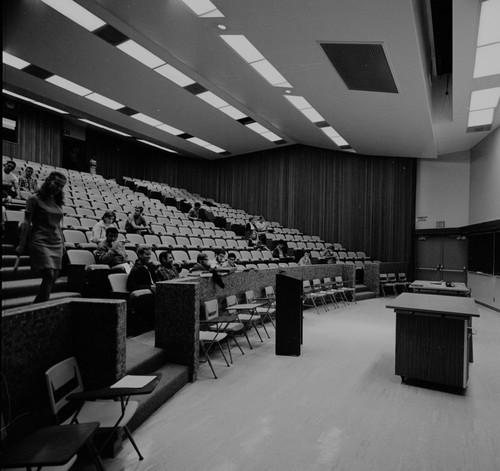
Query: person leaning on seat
x=143 y=273
x=10 y=181
x=27 y=183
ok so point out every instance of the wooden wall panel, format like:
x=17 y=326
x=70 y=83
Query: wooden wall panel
x=39 y=136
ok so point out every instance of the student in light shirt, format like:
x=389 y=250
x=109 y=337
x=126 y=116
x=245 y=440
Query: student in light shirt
x=305 y=260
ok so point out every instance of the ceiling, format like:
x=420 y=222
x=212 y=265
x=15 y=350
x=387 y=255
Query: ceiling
x=421 y=120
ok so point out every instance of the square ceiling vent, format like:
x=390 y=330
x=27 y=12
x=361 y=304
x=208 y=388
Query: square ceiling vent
x=362 y=66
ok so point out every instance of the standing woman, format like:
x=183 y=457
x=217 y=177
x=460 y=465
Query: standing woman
x=41 y=232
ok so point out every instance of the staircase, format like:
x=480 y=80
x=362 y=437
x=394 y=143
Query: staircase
x=144 y=359
x=19 y=287
x=362 y=292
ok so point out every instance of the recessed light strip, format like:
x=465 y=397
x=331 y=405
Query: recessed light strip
x=156 y=145
x=103 y=127
x=203 y=8
x=248 y=52
x=76 y=13
x=34 y=102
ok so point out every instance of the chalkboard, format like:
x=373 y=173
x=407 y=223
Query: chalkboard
x=481 y=252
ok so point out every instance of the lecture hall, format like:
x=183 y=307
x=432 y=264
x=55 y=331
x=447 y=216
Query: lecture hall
x=250 y=235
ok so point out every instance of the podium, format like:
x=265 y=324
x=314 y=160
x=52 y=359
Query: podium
x=288 y=315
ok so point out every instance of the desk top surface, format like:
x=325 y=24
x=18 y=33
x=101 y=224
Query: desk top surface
x=49 y=446
x=246 y=306
x=435 y=304
x=439 y=286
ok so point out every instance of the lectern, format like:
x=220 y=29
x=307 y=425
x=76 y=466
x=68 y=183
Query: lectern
x=288 y=315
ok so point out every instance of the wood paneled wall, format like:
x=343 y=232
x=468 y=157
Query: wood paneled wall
x=366 y=203
x=39 y=135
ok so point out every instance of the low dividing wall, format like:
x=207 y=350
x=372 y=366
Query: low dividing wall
x=178 y=304
x=36 y=337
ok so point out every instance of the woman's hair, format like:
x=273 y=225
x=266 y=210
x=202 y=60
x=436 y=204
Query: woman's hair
x=107 y=213
x=44 y=193
x=163 y=256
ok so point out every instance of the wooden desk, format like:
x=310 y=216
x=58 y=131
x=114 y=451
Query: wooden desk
x=50 y=446
x=439 y=287
x=433 y=338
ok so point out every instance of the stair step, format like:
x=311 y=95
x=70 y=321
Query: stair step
x=143 y=358
x=10 y=260
x=13 y=288
x=360 y=288
x=174 y=378
x=22 y=273
x=26 y=300
x=365 y=295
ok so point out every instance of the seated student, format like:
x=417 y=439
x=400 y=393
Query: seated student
x=136 y=224
x=10 y=181
x=219 y=260
x=194 y=212
x=27 y=183
x=111 y=251
x=279 y=250
x=329 y=254
x=250 y=227
x=255 y=242
x=143 y=273
x=202 y=264
x=305 y=260
x=231 y=261
x=99 y=230
x=168 y=269
x=262 y=226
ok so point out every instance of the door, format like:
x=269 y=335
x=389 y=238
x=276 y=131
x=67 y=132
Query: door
x=441 y=258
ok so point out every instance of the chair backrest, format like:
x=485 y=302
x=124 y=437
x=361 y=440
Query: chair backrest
x=81 y=257
x=249 y=296
x=211 y=309
x=180 y=256
x=62 y=380
x=231 y=301
x=87 y=223
x=402 y=277
x=383 y=277
x=152 y=239
x=182 y=240
x=118 y=282
x=269 y=290
x=136 y=239
x=391 y=277
x=74 y=237
x=12 y=215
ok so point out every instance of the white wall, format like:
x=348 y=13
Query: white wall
x=443 y=191
x=485 y=180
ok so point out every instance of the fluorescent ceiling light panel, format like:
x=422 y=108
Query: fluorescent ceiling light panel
x=140 y=53
x=480 y=117
x=215 y=149
x=204 y=8
x=340 y=141
x=487 y=60
x=104 y=127
x=270 y=136
x=7 y=92
x=269 y=72
x=174 y=75
x=330 y=132
x=258 y=128
x=13 y=61
x=312 y=115
x=481 y=99
x=199 y=142
x=298 y=101
x=212 y=99
x=489 y=29
x=146 y=119
x=102 y=100
x=170 y=129
x=233 y=112
x=76 y=13
x=156 y=145
x=68 y=85
x=243 y=47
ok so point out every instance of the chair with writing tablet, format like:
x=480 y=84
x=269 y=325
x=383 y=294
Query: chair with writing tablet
x=70 y=403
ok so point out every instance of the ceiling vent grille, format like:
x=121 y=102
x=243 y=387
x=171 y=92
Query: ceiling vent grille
x=362 y=66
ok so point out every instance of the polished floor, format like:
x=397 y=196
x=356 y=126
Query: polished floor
x=338 y=406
